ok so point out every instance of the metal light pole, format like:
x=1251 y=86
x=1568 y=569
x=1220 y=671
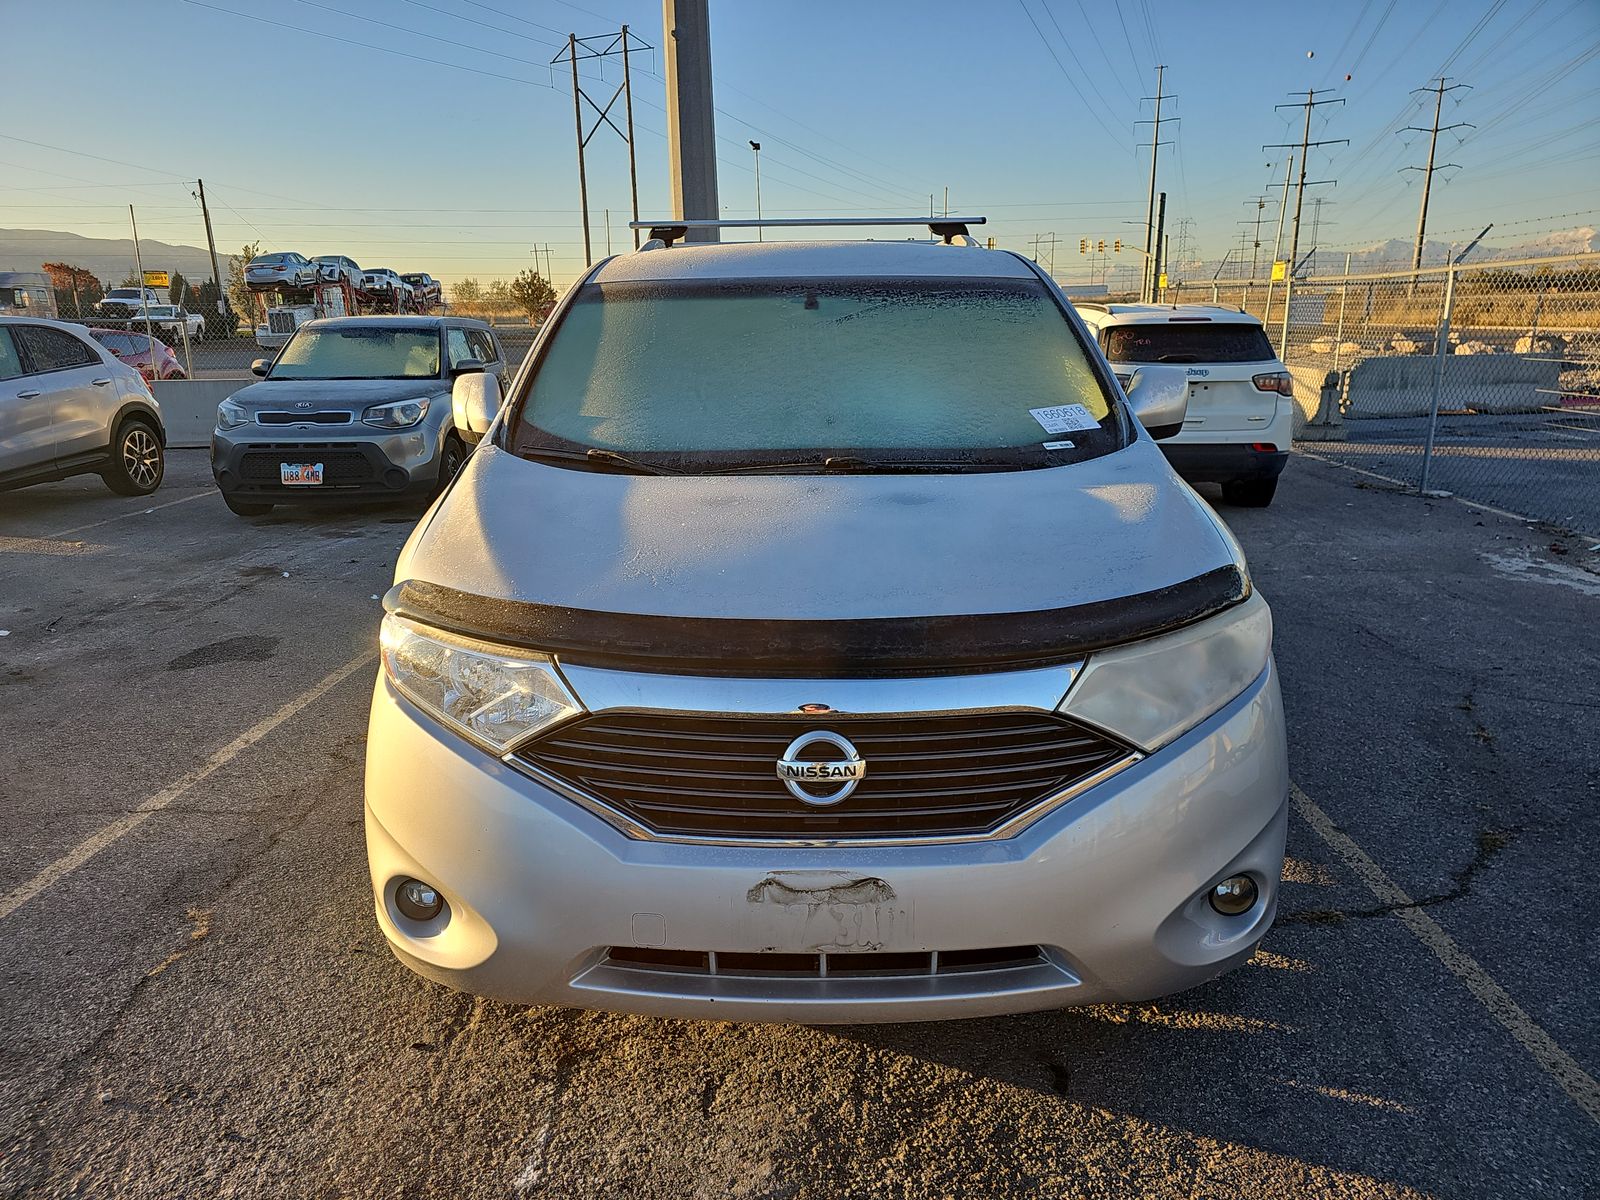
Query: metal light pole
x=756 y=146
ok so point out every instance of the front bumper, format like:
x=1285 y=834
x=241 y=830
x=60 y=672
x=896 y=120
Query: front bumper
x=365 y=465
x=1111 y=886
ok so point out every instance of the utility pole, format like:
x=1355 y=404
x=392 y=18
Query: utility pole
x=1277 y=241
x=1161 y=228
x=1260 y=203
x=1147 y=289
x=691 y=119
x=1311 y=103
x=1439 y=91
x=211 y=244
x=577 y=117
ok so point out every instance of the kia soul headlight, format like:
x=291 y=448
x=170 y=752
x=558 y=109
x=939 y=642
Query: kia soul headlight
x=231 y=415
x=398 y=414
x=493 y=694
x=1149 y=692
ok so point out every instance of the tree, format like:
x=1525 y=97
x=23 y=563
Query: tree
x=177 y=290
x=497 y=294
x=239 y=297
x=218 y=325
x=77 y=289
x=533 y=294
x=465 y=293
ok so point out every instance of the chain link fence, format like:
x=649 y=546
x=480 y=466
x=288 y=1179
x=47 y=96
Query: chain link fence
x=1481 y=380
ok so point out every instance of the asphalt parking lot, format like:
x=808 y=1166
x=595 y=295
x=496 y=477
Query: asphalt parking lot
x=198 y=1002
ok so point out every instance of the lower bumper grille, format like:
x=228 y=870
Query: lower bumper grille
x=853 y=965
x=338 y=466
x=693 y=776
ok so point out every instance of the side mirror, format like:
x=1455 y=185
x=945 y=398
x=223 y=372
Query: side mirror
x=1159 y=396
x=467 y=366
x=260 y=367
x=475 y=402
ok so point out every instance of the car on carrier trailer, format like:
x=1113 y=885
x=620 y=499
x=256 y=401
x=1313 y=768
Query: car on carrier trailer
x=817 y=633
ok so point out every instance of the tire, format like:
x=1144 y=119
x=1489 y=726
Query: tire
x=1250 y=493
x=137 y=461
x=243 y=508
x=451 y=459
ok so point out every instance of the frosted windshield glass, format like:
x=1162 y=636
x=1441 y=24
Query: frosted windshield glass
x=942 y=365
x=359 y=352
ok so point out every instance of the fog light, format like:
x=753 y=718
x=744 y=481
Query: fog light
x=420 y=902
x=1234 y=895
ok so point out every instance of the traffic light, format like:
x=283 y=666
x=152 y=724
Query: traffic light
x=1101 y=248
x=1117 y=246
x=991 y=244
x=1083 y=245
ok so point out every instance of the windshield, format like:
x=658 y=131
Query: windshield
x=961 y=374
x=125 y=294
x=359 y=352
x=1182 y=342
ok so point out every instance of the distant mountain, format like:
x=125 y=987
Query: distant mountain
x=109 y=258
x=1395 y=254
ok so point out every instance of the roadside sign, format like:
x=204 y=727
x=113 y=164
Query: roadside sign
x=157 y=279
x=1280 y=270
x=1162 y=281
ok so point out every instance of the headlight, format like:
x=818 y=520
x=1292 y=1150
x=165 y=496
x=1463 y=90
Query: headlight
x=492 y=694
x=399 y=414
x=1150 y=692
x=231 y=415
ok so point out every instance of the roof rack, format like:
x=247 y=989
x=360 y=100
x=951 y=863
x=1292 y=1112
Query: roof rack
x=674 y=230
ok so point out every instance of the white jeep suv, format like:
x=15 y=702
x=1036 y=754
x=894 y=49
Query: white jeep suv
x=1241 y=397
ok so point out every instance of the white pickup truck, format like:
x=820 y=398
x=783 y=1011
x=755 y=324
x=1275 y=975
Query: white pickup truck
x=172 y=319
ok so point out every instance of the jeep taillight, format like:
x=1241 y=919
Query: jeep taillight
x=1274 y=381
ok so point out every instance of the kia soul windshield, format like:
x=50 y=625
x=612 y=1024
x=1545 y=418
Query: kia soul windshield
x=961 y=374
x=359 y=352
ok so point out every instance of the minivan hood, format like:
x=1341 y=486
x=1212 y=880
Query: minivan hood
x=353 y=394
x=817 y=548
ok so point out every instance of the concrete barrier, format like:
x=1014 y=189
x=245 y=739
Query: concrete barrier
x=1402 y=385
x=189 y=408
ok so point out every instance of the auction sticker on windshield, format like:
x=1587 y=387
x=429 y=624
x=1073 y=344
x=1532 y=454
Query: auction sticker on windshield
x=300 y=474
x=1064 y=418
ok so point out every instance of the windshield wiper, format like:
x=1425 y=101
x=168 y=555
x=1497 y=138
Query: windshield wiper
x=594 y=454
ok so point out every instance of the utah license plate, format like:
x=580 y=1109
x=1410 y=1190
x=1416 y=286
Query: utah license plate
x=300 y=474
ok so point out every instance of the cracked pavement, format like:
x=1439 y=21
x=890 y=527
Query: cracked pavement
x=205 y=1007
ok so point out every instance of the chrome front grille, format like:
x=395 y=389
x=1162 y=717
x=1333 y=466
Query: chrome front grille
x=690 y=776
x=280 y=322
x=325 y=417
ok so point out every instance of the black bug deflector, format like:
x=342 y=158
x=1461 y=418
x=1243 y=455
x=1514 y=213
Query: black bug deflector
x=820 y=648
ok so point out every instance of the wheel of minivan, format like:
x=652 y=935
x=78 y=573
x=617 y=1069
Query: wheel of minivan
x=1250 y=493
x=244 y=508
x=137 y=462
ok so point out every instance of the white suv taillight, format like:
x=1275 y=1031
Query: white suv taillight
x=1274 y=381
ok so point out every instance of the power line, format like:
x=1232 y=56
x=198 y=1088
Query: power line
x=1310 y=105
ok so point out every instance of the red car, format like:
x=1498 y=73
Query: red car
x=134 y=349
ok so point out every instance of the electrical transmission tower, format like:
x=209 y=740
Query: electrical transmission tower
x=602 y=46
x=1439 y=91
x=1316 y=228
x=1185 y=243
x=1148 y=285
x=1305 y=144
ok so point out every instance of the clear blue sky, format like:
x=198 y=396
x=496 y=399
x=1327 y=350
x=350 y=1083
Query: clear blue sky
x=325 y=146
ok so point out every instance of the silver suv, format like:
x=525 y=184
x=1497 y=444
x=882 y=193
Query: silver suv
x=818 y=634
x=68 y=407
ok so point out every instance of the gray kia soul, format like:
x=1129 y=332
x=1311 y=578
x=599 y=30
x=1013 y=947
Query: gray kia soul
x=351 y=409
x=818 y=634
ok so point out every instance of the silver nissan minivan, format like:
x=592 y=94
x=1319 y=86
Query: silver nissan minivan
x=817 y=633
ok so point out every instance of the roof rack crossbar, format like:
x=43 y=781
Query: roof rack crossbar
x=674 y=230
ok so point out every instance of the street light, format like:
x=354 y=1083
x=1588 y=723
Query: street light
x=756 y=146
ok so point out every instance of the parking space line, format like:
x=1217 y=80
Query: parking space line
x=98 y=841
x=139 y=512
x=1552 y=1059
